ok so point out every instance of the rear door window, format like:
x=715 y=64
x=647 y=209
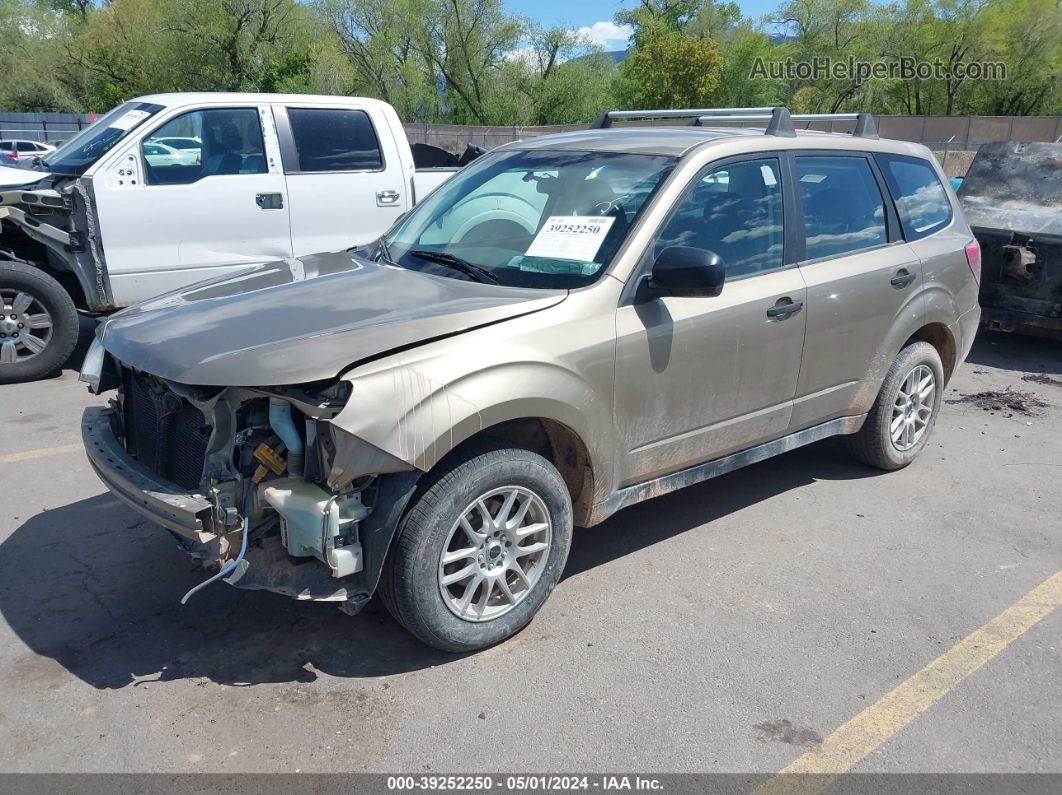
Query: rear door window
x=921 y=201
x=329 y=139
x=843 y=208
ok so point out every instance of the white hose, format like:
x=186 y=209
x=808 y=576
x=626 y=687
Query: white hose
x=248 y=504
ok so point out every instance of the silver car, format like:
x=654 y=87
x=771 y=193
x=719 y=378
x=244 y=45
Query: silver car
x=571 y=325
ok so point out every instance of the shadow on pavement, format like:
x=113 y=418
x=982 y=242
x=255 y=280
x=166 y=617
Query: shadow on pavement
x=96 y=588
x=1016 y=352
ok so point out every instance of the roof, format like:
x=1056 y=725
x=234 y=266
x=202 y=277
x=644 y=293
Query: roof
x=197 y=97
x=677 y=141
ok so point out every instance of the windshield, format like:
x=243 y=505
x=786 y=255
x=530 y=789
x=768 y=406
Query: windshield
x=89 y=145
x=550 y=219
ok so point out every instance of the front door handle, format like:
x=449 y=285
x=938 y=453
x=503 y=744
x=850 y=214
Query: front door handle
x=784 y=309
x=902 y=278
x=387 y=198
x=270 y=201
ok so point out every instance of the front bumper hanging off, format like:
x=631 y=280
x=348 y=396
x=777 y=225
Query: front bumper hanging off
x=190 y=514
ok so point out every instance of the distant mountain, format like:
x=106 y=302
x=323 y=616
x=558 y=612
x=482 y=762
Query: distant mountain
x=619 y=56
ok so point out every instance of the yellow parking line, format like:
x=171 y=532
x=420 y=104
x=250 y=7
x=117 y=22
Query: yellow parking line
x=11 y=458
x=815 y=770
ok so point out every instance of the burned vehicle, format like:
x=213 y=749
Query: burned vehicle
x=1012 y=197
x=570 y=325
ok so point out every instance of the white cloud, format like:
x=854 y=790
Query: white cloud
x=603 y=33
x=525 y=54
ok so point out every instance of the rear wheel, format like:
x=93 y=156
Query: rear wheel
x=38 y=323
x=480 y=550
x=902 y=418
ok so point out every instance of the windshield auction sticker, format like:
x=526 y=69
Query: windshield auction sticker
x=128 y=119
x=574 y=237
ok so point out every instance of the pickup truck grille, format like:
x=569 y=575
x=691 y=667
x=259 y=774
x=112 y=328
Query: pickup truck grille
x=164 y=432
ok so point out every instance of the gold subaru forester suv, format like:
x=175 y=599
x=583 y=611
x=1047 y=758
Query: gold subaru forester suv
x=570 y=325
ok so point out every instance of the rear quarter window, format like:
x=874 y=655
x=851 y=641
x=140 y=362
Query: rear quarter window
x=921 y=201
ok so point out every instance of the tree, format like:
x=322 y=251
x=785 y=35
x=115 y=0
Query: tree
x=467 y=42
x=668 y=69
x=558 y=78
x=32 y=44
x=650 y=15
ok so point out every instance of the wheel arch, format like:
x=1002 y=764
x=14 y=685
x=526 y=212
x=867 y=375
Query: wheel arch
x=555 y=441
x=940 y=337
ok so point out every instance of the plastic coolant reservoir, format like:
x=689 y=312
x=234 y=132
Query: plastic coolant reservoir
x=313 y=520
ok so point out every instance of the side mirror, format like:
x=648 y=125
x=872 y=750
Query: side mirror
x=684 y=270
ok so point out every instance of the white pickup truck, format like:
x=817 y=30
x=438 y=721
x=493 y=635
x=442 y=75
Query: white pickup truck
x=172 y=189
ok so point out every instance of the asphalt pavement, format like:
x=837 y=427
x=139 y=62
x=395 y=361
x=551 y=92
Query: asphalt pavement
x=735 y=626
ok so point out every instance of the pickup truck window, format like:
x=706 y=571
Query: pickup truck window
x=231 y=144
x=843 y=208
x=327 y=139
x=735 y=211
x=549 y=219
x=89 y=145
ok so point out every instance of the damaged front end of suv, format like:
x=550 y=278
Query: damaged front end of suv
x=250 y=480
x=273 y=483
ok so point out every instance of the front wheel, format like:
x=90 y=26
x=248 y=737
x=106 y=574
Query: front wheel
x=38 y=323
x=480 y=550
x=902 y=418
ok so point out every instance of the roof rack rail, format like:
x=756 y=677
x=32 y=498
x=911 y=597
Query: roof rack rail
x=779 y=120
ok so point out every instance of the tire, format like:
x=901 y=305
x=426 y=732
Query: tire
x=874 y=444
x=411 y=586
x=50 y=346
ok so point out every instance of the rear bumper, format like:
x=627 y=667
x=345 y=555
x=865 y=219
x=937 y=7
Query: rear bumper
x=1022 y=322
x=189 y=514
x=965 y=330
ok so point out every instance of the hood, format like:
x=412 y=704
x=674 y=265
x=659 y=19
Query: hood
x=1015 y=187
x=17 y=177
x=300 y=320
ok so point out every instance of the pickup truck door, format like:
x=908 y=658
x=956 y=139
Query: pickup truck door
x=346 y=175
x=700 y=377
x=218 y=211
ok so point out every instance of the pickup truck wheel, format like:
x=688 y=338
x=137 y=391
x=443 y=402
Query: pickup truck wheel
x=480 y=550
x=902 y=418
x=38 y=323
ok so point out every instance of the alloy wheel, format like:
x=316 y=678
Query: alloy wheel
x=912 y=408
x=495 y=553
x=25 y=326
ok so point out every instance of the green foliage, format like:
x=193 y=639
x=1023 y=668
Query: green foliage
x=472 y=61
x=668 y=69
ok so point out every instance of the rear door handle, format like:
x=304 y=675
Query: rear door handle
x=902 y=278
x=270 y=201
x=387 y=198
x=784 y=309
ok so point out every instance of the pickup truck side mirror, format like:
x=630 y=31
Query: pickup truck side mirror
x=684 y=270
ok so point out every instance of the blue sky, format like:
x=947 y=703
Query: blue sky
x=596 y=15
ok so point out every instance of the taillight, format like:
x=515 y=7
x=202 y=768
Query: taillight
x=973 y=259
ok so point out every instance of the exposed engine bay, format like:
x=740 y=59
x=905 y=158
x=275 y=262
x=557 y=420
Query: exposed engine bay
x=256 y=468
